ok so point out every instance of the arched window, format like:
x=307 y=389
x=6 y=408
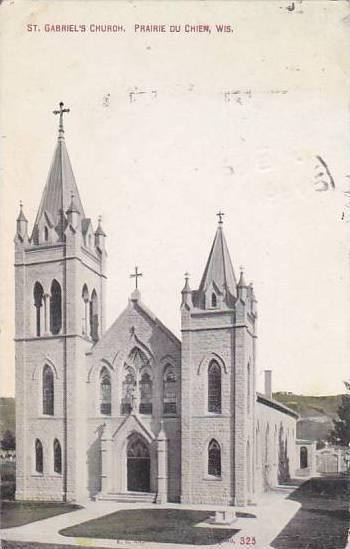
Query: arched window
x=169 y=391
x=214 y=459
x=46 y=234
x=57 y=457
x=55 y=308
x=85 y=315
x=94 y=316
x=214 y=388
x=38 y=302
x=303 y=457
x=39 y=458
x=145 y=393
x=129 y=385
x=48 y=391
x=213 y=300
x=105 y=392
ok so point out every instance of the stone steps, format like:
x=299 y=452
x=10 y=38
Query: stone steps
x=129 y=497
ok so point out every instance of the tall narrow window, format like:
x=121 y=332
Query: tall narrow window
x=38 y=303
x=55 y=308
x=48 y=391
x=128 y=397
x=146 y=394
x=46 y=234
x=214 y=388
x=169 y=391
x=213 y=300
x=39 y=458
x=57 y=457
x=85 y=312
x=214 y=459
x=94 y=316
x=105 y=392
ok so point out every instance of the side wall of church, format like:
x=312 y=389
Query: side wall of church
x=275 y=433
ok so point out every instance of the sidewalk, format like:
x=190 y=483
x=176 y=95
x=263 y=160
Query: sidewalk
x=273 y=512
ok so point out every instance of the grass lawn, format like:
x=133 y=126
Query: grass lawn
x=17 y=513
x=158 y=525
x=323 y=520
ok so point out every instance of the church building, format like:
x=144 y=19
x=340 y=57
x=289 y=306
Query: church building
x=130 y=412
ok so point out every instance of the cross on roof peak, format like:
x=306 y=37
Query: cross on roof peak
x=136 y=275
x=61 y=112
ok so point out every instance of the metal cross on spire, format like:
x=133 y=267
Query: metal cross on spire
x=61 y=112
x=220 y=216
x=136 y=275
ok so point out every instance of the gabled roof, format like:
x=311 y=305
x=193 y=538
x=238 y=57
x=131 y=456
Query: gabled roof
x=219 y=269
x=60 y=186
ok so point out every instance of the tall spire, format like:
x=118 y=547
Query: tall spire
x=60 y=186
x=219 y=270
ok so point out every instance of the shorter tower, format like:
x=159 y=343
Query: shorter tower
x=218 y=324
x=60 y=312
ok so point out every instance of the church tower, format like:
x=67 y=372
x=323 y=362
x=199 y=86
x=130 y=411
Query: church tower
x=60 y=314
x=218 y=324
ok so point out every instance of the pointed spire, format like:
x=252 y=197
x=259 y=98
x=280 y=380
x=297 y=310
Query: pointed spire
x=72 y=208
x=22 y=224
x=60 y=185
x=100 y=235
x=21 y=216
x=242 y=283
x=219 y=270
x=186 y=293
x=99 y=230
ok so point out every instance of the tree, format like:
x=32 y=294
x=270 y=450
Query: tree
x=8 y=441
x=340 y=435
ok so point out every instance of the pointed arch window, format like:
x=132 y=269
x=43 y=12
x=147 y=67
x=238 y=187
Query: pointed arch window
x=214 y=459
x=105 y=392
x=129 y=384
x=146 y=393
x=39 y=457
x=38 y=303
x=46 y=234
x=169 y=391
x=94 y=316
x=214 y=388
x=48 y=391
x=55 y=308
x=85 y=317
x=57 y=457
x=214 y=300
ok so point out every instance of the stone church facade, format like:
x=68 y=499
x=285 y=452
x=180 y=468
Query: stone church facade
x=132 y=412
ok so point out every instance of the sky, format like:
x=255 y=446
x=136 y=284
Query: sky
x=166 y=129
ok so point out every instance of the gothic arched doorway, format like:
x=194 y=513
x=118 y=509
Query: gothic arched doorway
x=138 y=465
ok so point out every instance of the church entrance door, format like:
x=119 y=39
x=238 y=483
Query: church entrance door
x=138 y=465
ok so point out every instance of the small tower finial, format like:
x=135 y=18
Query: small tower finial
x=220 y=215
x=61 y=112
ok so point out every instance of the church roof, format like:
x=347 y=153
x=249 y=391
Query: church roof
x=219 y=270
x=60 y=186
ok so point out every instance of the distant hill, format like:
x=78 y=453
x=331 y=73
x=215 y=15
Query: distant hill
x=316 y=413
x=7 y=415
